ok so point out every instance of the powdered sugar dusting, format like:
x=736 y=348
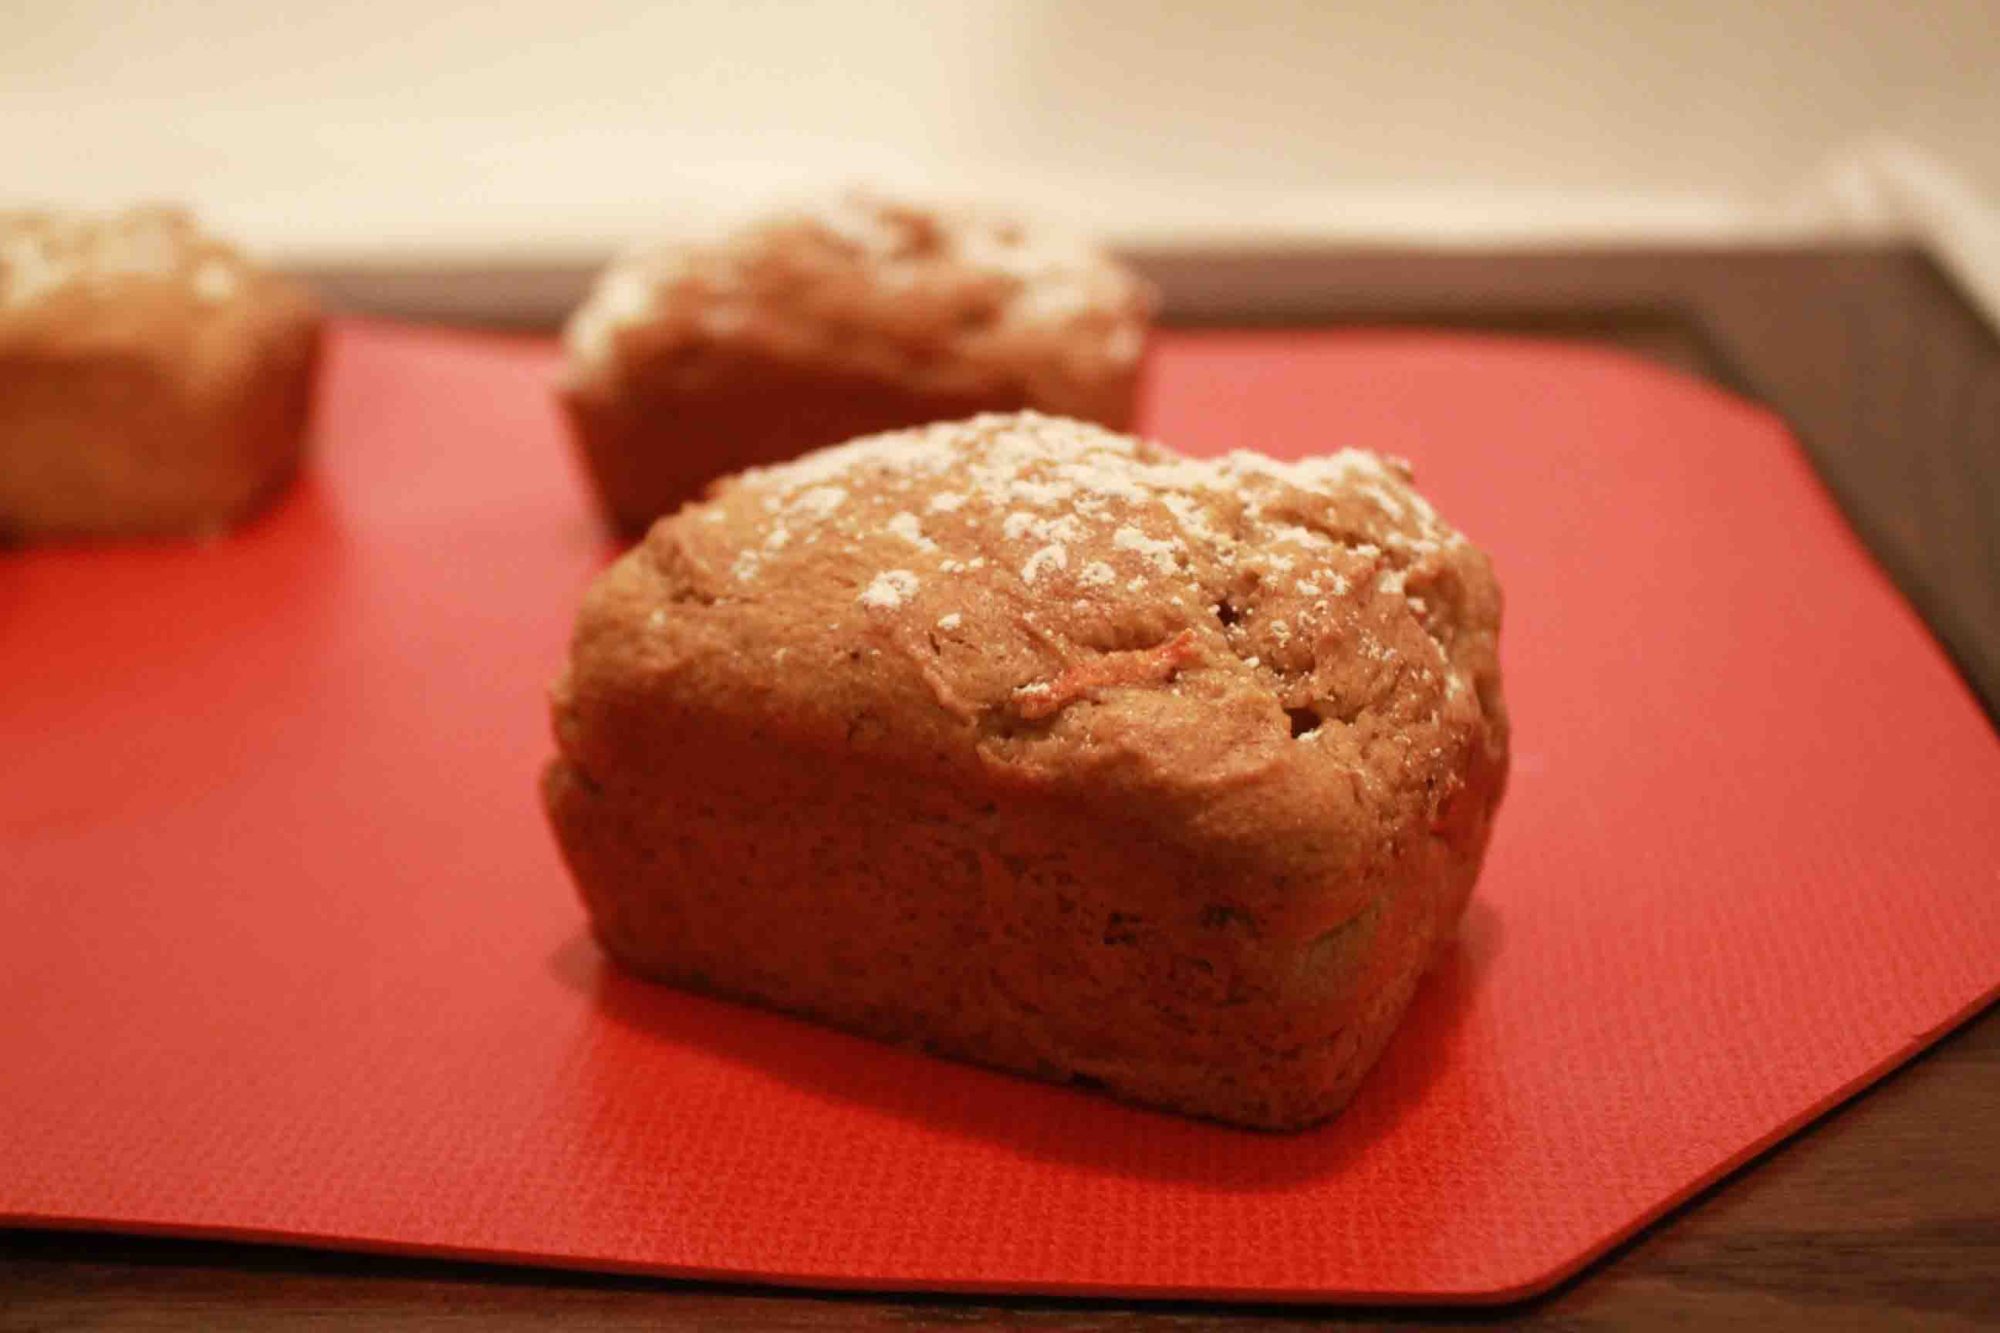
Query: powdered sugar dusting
x=1049 y=557
x=1052 y=482
x=215 y=281
x=889 y=589
x=1073 y=517
x=1159 y=552
x=946 y=296
x=905 y=525
x=821 y=501
x=44 y=254
x=623 y=297
x=29 y=271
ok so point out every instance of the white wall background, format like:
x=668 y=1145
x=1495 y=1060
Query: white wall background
x=336 y=131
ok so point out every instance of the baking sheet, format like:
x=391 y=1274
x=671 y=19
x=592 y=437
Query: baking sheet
x=286 y=952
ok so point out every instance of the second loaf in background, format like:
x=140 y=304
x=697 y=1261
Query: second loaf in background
x=810 y=327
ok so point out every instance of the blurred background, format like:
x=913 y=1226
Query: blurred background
x=376 y=133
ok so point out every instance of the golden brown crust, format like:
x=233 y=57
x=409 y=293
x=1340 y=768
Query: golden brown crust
x=819 y=325
x=1047 y=748
x=152 y=381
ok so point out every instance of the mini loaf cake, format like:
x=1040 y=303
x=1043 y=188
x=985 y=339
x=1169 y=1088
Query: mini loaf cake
x=816 y=326
x=1045 y=747
x=151 y=380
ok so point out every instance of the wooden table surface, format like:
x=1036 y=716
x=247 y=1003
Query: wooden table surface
x=1884 y=1214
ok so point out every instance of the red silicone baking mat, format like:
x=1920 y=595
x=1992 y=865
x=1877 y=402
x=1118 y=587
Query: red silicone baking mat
x=286 y=952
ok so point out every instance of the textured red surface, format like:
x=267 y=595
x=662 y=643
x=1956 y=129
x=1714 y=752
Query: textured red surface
x=286 y=952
